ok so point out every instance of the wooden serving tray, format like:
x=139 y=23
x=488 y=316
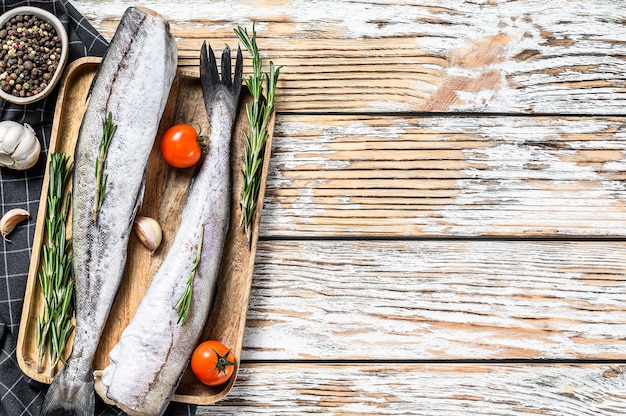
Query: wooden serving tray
x=165 y=193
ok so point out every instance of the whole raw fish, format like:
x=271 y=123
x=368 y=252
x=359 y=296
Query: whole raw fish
x=154 y=349
x=132 y=83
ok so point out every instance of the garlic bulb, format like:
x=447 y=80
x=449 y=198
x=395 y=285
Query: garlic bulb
x=11 y=219
x=19 y=147
x=149 y=232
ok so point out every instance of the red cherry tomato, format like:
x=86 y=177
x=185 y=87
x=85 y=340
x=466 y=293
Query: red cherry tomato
x=180 y=147
x=213 y=363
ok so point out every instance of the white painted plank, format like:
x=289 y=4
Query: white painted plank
x=427 y=390
x=437 y=300
x=557 y=56
x=446 y=176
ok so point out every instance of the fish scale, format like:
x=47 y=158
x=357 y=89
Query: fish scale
x=140 y=62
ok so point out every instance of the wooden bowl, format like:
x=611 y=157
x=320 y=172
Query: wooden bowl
x=61 y=32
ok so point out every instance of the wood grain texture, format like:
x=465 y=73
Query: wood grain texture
x=333 y=300
x=558 y=56
x=447 y=176
x=377 y=233
x=427 y=390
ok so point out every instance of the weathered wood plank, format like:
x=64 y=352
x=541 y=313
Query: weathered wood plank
x=446 y=176
x=428 y=390
x=560 y=56
x=437 y=299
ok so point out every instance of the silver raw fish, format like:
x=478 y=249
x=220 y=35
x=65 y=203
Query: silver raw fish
x=154 y=349
x=133 y=83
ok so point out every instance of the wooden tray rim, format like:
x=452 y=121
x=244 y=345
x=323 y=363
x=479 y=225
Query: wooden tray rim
x=32 y=282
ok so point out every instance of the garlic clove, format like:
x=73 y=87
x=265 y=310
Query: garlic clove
x=10 y=220
x=149 y=232
x=19 y=146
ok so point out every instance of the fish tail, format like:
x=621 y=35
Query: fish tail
x=210 y=78
x=69 y=397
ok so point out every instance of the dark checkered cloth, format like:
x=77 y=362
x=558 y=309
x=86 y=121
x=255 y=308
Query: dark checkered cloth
x=20 y=395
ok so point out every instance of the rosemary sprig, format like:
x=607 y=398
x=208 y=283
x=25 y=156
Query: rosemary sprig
x=108 y=130
x=54 y=325
x=258 y=112
x=184 y=303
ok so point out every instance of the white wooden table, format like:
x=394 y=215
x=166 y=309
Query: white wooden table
x=445 y=217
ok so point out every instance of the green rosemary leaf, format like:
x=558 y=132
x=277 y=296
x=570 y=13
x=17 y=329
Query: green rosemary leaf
x=183 y=305
x=55 y=273
x=108 y=131
x=258 y=112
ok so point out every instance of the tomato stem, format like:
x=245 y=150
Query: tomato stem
x=222 y=361
x=203 y=142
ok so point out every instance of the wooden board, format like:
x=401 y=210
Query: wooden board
x=561 y=56
x=427 y=389
x=166 y=190
x=440 y=176
x=390 y=172
x=437 y=300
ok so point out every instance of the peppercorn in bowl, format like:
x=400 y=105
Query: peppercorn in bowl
x=33 y=53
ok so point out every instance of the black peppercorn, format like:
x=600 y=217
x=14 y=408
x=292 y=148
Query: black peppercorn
x=29 y=53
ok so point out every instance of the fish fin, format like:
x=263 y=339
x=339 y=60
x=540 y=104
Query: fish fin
x=238 y=71
x=210 y=78
x=69 y=397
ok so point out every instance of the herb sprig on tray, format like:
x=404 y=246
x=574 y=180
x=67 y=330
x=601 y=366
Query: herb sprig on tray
x=259 y=112
x=183 y=306
x=108 y=130
x=54 y=325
